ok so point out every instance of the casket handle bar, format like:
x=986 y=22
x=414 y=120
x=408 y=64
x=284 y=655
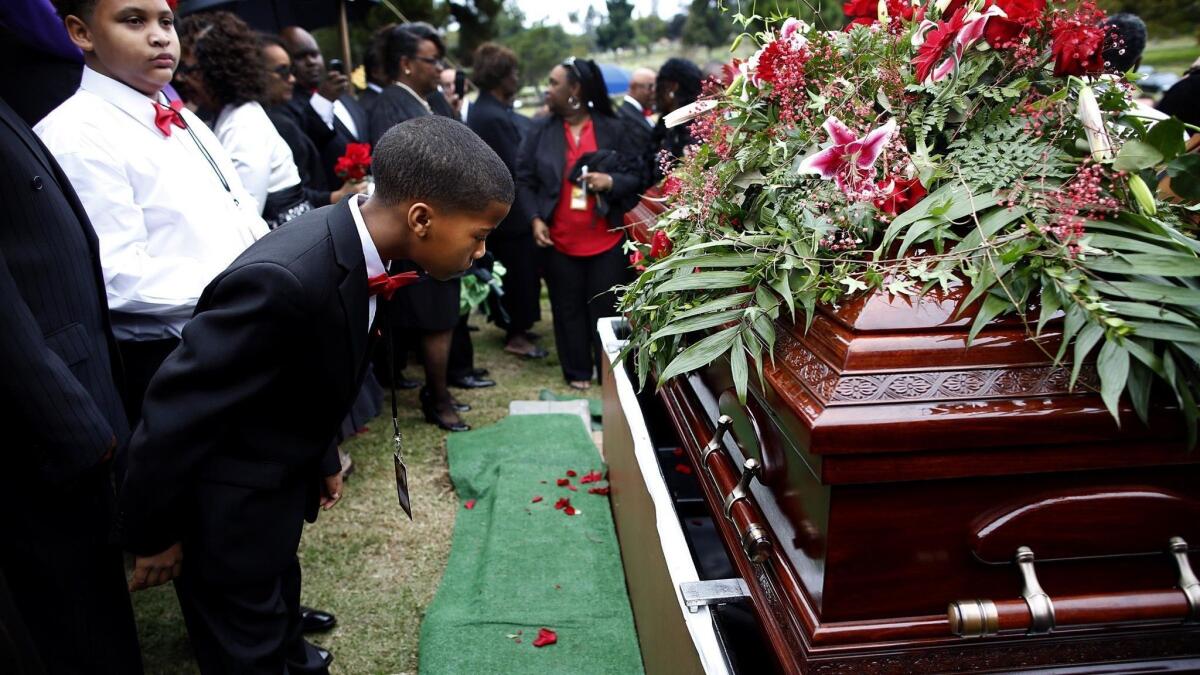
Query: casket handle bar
x=754 y=539
x=1034 y=614
x=724 y=422
x=1187 y=578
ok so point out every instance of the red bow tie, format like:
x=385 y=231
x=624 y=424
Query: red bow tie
x=646 y=112
x=165 y=116
x=382 y=284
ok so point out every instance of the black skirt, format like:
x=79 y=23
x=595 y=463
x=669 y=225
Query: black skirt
x=430 y=306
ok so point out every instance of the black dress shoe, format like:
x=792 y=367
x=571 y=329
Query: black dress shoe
x=315 y=620
x=459 y=406
x=403 y=382
x=471 y=382
x=429 y=409
x=479 y=372
x=326 y=656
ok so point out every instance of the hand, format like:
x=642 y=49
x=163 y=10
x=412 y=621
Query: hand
x=541 y=233
x=333 y=85
x=350 y=187
x=598 y=182
x=332 y=493
x=157 y=569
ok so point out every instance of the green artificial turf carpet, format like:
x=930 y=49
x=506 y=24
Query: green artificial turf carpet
x=517 y=565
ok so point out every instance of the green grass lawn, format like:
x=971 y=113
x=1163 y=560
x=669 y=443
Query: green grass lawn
x=364 y=561
x=1174 y=55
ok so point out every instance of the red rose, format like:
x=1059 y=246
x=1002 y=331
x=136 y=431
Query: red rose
x=359 y=152
x=1078 y=42
x=660 y=245
x=861 y=9
x=905 y=195
x=1021 y=16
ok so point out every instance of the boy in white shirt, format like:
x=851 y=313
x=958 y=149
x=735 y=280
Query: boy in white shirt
x=165 y=200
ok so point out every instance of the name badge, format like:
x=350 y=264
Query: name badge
x=578 y=198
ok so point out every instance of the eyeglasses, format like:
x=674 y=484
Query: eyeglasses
x=431 y=61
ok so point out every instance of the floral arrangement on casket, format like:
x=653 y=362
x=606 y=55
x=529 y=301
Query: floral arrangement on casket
x=931 y=143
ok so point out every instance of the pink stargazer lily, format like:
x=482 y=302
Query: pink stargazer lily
x=849 y=159
x=961 y=31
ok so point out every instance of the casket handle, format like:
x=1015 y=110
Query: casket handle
x=750 y=471
x=724 y=422
x=1035 y=614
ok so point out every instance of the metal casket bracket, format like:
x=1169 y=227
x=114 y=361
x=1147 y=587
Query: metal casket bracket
x=697 y=594
x=1041 y=609
x=1187 y=578
x=724 y=422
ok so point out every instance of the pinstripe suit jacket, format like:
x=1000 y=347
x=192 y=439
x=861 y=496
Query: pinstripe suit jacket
x=58 y=402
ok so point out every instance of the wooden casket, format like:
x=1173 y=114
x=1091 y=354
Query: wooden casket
x=917 y=505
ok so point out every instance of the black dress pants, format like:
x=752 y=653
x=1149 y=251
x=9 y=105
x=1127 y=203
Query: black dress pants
x=580 y=295
x=141 y=359
x=66 y=580
x=522 y=281
x=246 y=627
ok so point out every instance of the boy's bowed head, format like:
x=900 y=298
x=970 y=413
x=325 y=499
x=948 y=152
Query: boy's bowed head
x=131 y=41
x=439 y=191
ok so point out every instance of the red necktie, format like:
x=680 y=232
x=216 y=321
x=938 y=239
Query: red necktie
x=165 y=116
x=382 y=284
x=646 y=112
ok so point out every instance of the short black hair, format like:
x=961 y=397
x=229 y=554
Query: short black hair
x=685 y=74
x=1126 y=40
x=491 y=64
x=440 y=160
x=80 y=8
x=265 y=39
x=404 y=40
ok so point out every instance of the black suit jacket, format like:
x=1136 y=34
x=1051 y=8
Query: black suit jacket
x=642 y=132
x=394 y=105
x=59 y=406
x=366 y=99
x=498 y=126
x=239 y=423
x=541 y=166
x=331 y=143
x=308 y=160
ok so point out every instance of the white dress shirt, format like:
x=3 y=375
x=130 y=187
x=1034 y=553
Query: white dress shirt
x=166 y=222
x=375 y=265
x=262 y=158
x=327 y=110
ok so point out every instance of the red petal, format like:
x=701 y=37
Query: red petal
x=591 y=477
x=537 y=498
x=598 y=490
x=678 y=452
x=563 y=481
x=470 y=504
x=571 y=473
x=683 y=468
x=545 y=637
x=572 y=488
x=563 y=501
x=570 y=510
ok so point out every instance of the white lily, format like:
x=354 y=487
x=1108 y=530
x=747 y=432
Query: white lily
x=1093 y=125
x=688 y=112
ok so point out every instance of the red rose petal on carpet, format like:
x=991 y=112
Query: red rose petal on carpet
x=562 y=501
x=683 y=468
x=572 y=488
x=563 y=481
x=570 y=510
x=545 y=637
x=598 y=490
x=591 y=477
x=537 y=498
x=470 y=504
x=571 y=473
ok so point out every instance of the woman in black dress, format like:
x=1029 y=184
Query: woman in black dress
x=413 y=58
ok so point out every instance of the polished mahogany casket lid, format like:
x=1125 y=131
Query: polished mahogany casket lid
x=900 y=470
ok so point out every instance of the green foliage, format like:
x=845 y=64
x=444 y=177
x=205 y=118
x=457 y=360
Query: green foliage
x=617 y=31
x=706 y=25
x=539 y=48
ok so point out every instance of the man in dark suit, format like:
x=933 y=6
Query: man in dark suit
x=235 y=449
x=322 y=104
x=62 y=413
x=638 y=105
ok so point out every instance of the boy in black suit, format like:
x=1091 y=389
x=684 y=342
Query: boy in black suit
x=238 y=424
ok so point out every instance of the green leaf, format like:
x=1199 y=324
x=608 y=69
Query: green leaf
x=704 y=261
x=992 y=307
x=702 y=280
x=721 y=303
x=1113 y=367
x=1165 y=331
x=1049 y=304
x=1168 y=294
x=700 y=354
x=1168 y=137
x=737 y=367
x=1185 y=176
x=1140 y=310
x=1075 y=319
x=1139 y=383
x=916 y=232
x=1136 y=155
x=765 y=329
x=1087 y=339
x=1166 y=264
x=782 y=285
x=697 y=323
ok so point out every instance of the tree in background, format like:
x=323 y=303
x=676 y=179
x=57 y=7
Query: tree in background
x=648 y=30
x=617 y=32
x=675 y=26
x=707 y=25
x=476 y=24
